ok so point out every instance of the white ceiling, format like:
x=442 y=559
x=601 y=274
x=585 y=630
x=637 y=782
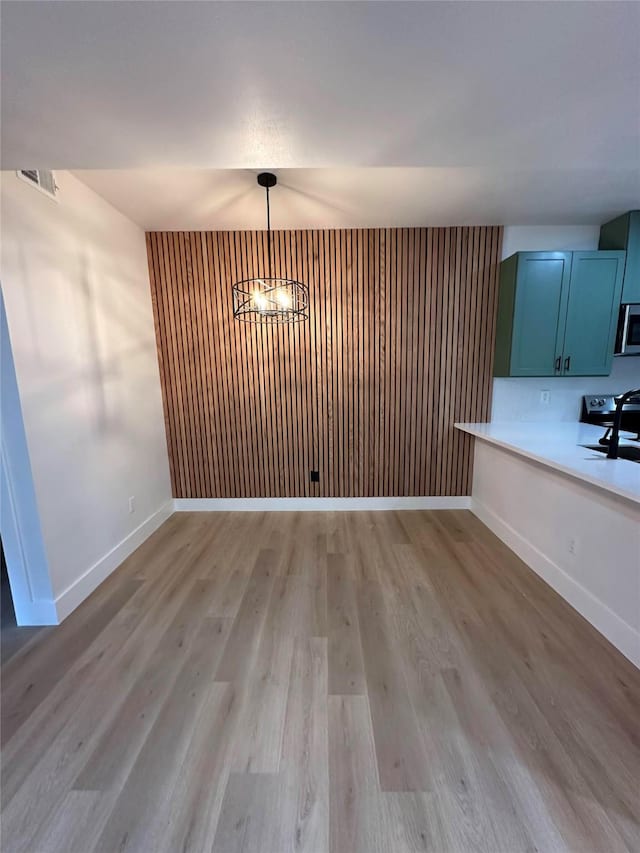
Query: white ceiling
x=494 y=111
x=169 y=199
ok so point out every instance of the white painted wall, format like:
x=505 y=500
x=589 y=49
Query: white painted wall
x=519 y=399
x=537 y=511
x=551 y=238
x=76 y=289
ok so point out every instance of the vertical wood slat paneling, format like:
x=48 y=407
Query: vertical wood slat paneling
x=398 y=346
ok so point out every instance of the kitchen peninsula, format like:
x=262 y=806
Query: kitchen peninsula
x=569 y=513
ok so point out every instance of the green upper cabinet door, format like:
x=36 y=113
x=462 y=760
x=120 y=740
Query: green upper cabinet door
x=534 y=287
x=624 y=233
x=557 y=313
x=595 y=288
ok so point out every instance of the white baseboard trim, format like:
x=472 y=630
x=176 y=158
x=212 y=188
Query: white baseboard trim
x=316 y=504
x=76 y=593
x=608 y=623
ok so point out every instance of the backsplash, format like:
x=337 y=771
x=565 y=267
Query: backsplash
x=519 y=399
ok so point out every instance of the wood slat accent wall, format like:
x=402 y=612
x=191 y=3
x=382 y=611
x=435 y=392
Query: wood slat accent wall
x=399 y=345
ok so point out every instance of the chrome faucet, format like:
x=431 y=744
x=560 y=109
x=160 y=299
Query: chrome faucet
x=614 y=439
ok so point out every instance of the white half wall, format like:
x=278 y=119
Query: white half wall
x=583 y=541
x=76 y=290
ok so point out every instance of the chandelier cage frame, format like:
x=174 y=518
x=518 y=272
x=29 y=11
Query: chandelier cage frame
x=270 y=299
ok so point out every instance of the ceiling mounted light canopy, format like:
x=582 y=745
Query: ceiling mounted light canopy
x=268 y=299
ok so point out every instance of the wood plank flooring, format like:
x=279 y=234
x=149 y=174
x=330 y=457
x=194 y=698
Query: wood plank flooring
x=344 y=682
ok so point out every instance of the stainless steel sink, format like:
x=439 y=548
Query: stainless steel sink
x=625 y=451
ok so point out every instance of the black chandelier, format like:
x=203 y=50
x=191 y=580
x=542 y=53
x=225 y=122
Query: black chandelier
x=270 y=299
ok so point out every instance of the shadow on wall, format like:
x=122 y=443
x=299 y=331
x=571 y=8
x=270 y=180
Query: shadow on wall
x=97 y=370
x=95 y=367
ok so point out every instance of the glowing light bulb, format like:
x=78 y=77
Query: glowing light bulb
x=283 y=298
x=259 y=300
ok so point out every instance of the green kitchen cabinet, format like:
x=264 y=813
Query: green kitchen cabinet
x=593 y=306
x=557 y=313
x=533 y=294
x=624 y=233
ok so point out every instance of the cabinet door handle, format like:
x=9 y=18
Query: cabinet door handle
x=567 y=362
x=558 y=360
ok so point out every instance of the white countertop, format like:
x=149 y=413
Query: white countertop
x=558 y=445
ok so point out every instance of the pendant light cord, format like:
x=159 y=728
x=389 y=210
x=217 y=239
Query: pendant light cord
x=269 y=231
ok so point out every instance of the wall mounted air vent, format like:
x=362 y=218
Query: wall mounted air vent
x=42 y=179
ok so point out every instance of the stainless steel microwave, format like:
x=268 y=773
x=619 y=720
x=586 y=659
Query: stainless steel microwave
x=628 y=337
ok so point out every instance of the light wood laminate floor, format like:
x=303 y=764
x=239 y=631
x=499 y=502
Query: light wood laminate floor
x=321 y=682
